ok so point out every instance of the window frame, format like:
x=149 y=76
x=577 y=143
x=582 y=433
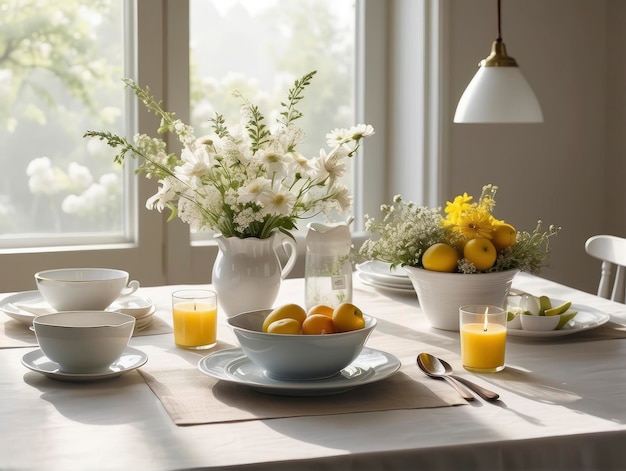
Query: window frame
x=162 y=252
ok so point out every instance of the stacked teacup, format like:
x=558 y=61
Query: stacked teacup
x=82 y=337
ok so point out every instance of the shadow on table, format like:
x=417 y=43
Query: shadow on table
x=90 y=403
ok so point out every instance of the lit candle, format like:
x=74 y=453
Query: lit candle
x=195 y=321
x=483 y=338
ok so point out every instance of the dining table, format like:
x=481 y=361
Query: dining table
x=561 y=406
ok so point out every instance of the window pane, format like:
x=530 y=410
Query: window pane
x=259 y=47
x=61 y=62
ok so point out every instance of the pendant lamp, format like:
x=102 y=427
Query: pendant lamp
x=498 y=93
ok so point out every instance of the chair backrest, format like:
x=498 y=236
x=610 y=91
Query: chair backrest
x=612 y=251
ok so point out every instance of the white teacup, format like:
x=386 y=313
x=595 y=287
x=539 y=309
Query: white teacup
x=83 y=341
x=78 y=289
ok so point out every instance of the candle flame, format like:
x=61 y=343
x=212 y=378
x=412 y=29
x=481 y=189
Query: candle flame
x=485 y=323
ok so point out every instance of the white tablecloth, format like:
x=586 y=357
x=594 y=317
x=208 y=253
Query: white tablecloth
x=563 y=406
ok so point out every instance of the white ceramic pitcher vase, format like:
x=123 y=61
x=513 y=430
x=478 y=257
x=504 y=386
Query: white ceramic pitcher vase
x=247 y=272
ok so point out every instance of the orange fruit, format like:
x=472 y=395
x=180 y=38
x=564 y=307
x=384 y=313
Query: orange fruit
x=440 y=257
x=284 y=326
x=481 y=252
x=317 y=324
x=321 y=309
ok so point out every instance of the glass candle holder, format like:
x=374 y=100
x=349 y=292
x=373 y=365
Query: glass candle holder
x=483 y=338
x=195 y=318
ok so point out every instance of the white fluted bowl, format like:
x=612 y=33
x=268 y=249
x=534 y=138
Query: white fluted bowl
x=441 y=294
x=83 y=341
x=298 y=357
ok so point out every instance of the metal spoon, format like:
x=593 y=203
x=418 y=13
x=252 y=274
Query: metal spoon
x=428 y=370
x=438 y=368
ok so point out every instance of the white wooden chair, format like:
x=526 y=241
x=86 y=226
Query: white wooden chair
x=612 y=251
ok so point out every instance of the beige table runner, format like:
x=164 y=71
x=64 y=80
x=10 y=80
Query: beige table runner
x=190 y=397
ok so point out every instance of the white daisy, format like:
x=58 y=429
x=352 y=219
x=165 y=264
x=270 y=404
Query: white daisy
x=252 y=191
x=278 y=203
x=360 y=131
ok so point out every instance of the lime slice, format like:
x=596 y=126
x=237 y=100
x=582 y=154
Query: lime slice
x=565 y=318
x=544 y=305
x=555 y=311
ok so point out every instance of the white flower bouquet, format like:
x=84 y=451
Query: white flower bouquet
x=247 y=180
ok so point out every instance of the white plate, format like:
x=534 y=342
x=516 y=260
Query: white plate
x=18 y=306
x=586 y=319
x=131 y=359
x=234 y=366
x=381 y=271
x=383 y=286
x=388 y=284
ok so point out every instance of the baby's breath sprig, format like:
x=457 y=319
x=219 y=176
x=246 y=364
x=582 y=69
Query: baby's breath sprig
x=404 y=232
x=529 y=252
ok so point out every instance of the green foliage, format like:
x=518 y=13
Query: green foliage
x=290 y=114
x=257 y=131
x=219 y=125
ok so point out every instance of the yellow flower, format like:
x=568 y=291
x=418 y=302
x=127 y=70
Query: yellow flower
x=457 y=208
x=473 y=224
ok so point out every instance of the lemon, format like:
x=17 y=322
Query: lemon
x=440 y=257
x=284 y=326
x=504 y=235
x=348 y=317
x=481 y=252
x=286 y=311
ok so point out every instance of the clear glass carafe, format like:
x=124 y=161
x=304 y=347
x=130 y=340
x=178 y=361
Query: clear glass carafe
x=328 y=268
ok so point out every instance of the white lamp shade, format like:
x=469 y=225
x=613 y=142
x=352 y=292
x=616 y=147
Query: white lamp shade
x=498 y=95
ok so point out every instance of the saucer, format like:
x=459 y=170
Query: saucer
x=145 y=320
x=234 y=366
x=131 y=359
x=9 y=306
x=27 y=305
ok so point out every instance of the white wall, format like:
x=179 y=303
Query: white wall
x=570 y=170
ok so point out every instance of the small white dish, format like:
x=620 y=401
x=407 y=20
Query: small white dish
x=234 y=366
x=539 y=323
x=586 y=319
x=131 y=359
x=135 y=306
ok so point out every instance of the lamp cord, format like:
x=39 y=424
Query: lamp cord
x=499 y=24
